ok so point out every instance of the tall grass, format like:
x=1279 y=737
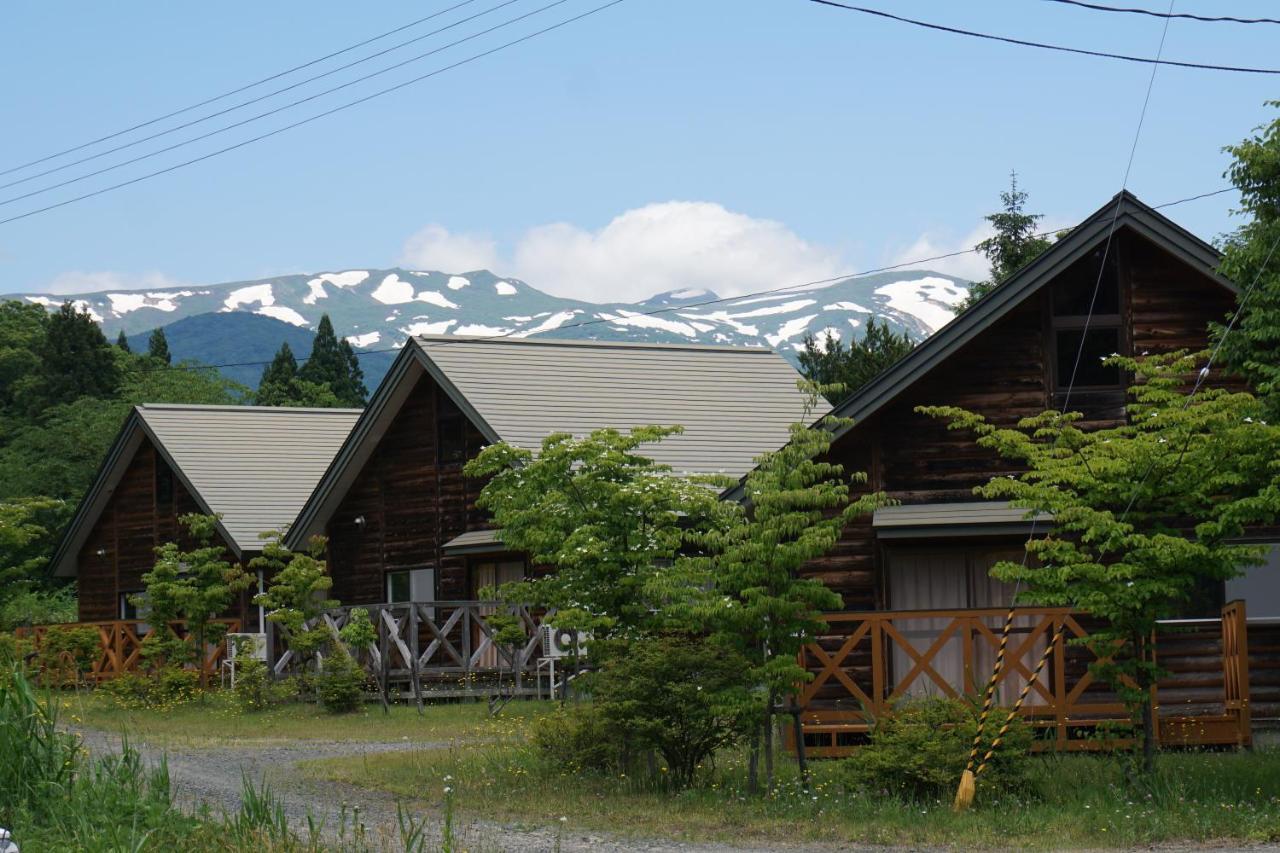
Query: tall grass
x=37 y=762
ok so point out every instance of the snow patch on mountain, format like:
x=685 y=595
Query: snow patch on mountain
x=505 y=288
x=457 y=282
x=368 y=339
x=929 y=300
x=789 y=329
x=393 y=291
x=427 y=328
x=435 y=297
x=647 y=321
x=260 y=293
x=78 y=304
x=847 y=306
x=350 y=278
x=123 y=303
x=784 y=308
x=555 y=321
x=480 y=330
x=285 y=313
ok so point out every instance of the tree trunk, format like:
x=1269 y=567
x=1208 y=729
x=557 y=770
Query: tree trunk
x=768 y=744
x=753 y=763
x=1148 y=714
x=801 y=759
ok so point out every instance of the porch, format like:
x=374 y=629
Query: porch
x=866 y=662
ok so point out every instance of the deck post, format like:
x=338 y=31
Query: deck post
x=384 y=660
x=415 y=676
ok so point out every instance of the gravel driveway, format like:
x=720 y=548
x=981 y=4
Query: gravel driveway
x=215 y=777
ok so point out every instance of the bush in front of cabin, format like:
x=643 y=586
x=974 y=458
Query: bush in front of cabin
x=579 y=740
x=165 y=687
x=341 y=683
x=919 y=750
x=67 y=652
x=683 y=697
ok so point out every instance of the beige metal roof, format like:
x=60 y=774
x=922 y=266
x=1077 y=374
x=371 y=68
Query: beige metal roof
x=255 y=466
x=733 y=402
x=951 y=519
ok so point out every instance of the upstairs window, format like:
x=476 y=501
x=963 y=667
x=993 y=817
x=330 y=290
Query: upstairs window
x=1076 y=332
x=164 y=486
x=451 y=427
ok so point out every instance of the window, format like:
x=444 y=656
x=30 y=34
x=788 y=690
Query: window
x=164 y=485
x=130 y=611
x=411 y=586
x=1080 y=337
x=451 y=438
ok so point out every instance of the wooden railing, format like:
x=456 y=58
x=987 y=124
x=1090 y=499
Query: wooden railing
x=865 y=663
x=437 y=639
x=120 y=644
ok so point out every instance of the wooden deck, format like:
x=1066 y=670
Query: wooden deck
x=867 y=662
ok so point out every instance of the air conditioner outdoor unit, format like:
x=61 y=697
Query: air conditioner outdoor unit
x=559 y=642
x=259 y=645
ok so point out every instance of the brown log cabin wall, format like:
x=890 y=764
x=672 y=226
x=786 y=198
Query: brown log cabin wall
x=414 y=498
x=128 y=531
x=1003 y=374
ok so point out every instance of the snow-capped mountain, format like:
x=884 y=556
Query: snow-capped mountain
x=377 y=309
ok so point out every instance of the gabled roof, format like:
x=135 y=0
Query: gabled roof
x=1128 y=213
x=733 y=402
x=255 y=466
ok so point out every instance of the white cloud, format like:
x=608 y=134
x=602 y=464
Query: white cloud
x=436 y=248
x=94 y=282
x=970 y=265
x=674 y=245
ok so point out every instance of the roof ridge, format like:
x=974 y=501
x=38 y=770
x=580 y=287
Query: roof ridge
x=231 y=407
x=588 y=344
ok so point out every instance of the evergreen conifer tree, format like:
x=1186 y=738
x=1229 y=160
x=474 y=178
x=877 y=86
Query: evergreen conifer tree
x=1251 y=258
x=123 y=342
x=325 y=365
x=351 y=390
x=274 y=387
x=158 y=346
x=843 y=370
x=75 y=360
x=1014 y=245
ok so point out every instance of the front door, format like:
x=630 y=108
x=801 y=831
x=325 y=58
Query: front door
x=490 y=574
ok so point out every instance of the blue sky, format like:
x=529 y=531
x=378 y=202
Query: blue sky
x=798 y=139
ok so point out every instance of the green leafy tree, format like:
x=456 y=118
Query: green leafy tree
x=22 y=332
x=1251 y=258
x=843 y=370
x=194 y=586
x=75 y=361
x=1014 y=245
x=297 y=594
x=158 y=347
x=1144 y=512
x=605 y=517
x=798 y=502
x=26 y=534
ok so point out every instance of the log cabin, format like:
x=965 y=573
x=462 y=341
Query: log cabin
x=922 y=612
x=400 y=517
x=252 y=466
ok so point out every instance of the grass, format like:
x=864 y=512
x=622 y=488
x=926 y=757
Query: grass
x=1078 y=801
x=218 y=721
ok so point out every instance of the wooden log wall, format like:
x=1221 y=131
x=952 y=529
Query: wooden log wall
x=1004 y=374
x=133 y=524
x=413 y=498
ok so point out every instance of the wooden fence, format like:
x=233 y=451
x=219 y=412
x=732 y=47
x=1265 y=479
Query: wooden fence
x=867 y=662
x=439 y=647
x=120 y=644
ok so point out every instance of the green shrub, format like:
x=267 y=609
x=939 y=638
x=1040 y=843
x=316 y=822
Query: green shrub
x=67 y=647
x=165 y=687
x=37 y=607
x=341 y=683
x=13 y=650
x=579 y=740
x=921 y=748
x=684 y=697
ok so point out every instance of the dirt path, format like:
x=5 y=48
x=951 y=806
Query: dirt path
x=215 y=776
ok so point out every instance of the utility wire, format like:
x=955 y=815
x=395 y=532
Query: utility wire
x=250 y=102
x=1181 y=15
x=1240 y=69
x=685 y=307
x=236 y=91
x=316 y=117
x=278 y=109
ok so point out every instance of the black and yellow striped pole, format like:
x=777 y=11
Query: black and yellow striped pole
x=1022 y=697
x=968 y=779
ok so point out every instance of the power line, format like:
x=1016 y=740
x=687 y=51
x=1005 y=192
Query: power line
x=310 y=119
x=250 y=102
x=691 y=305
x=1182 y=15
x=1240 y=69
x=236 y=91
x=281 y=108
